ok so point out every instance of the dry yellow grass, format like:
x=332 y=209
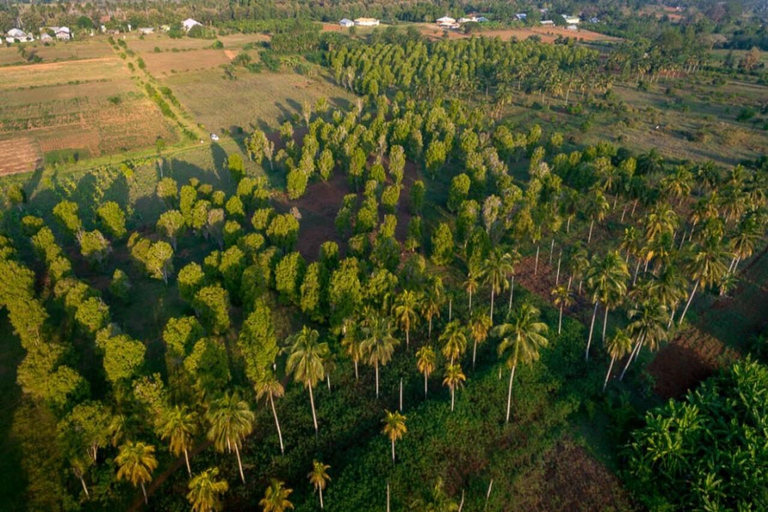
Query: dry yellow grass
x=56 y=73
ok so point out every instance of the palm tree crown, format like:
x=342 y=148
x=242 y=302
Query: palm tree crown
x=276 y=497
x=204 y=491
x=136 y=461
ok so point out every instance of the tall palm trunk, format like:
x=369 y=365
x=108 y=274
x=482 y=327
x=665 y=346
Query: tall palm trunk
x=560 y=321
x=186 y=459
x=320 y=490
x=551 y=251
x=407 y=337
x=635 y=350
x=509 y=393
x=591 y=225
x=426 y=381
x=277 y=423
x=85 y=487
x=688 y=304
x=377 y=378
x=557 y=275
x=511 y=291
x=312 y=403
x=637 y=269
x=357 y=375
x=671 y=317
x=492 y=294
x=393 y=450
x=144 y=490
x=605 y=322
x=591 y=329
x=536 y=263
x=239 y=463
x=623 y=213
x=608 y=375
x=453 y=397
x=470 y=301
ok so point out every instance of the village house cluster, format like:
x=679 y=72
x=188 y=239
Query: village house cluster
x=16 y=35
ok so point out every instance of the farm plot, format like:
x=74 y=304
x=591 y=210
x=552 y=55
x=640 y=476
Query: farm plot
x=184 y=44
x=546 y=34
x=74 y=50
x=267 y=98
x=17 y=155
x=102 y=116
x=165 y=63
x=66 y=72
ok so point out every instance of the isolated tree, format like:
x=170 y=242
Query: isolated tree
x=205 y=490
x=168 y=191
x=496 y=268
x=479 y=327
x=136 y=461
x=112 y=217
x=66 y=213
x=522 y=339
x=607 y=282
x=276 y=497
x=160 y=260
x=306 y=362
x=454 y=340
x=378 y=344
x=406 y=313
x=231 y=421
x=270 y=387
x=562 y=298
x=178 y=426
x=211 y=303
x=319 y=478
x=706 y=267
x=171 y=225
x=617 y=346
x=454 y=378
x=394 y=428
x=426 y=362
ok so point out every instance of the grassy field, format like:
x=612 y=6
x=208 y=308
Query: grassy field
x=252 y=100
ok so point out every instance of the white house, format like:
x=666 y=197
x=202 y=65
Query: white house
x=467 y=19
x=446 y=21
x=146 y=30
x=189 y=23
x=63 y=33
x=572 y=27
x=16 y=34
x=346 y=23
x=594 y=20
x=547 y=23
x=367 y=22
x=44 y=37
x=482 y=19
x=571 y=20
x=521 y=16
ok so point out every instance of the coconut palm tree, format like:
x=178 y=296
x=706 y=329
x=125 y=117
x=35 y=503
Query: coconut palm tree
x=678 y=184
x=319 y=478
x=471 y=283
x=606 y=280
x=426 y=361
x=496 y=268
x=231 y=420
x=597 y=208
x=648 y=327
x=405 y=311
x=744 y=241
x=454 y=378
x=351 y=342
x=669 y=287
x=394 y=428
x=433 y=301
x=269 y=387
x=178 y=425
x=706 y=267
x=618 y=346
x=576 y=263
x=562 y=298
x=378 y=344
x=136 y=461
x=454 y=340
x=276 y=497
x=661 y=219
x=479 y=327
x=439 y=502
x=204 y=491
x=306 y=362
x=514 y=260
x=522 y=339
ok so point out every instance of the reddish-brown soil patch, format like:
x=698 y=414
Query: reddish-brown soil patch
x=680 y=366
x=318 y=208
x=570 y=479
x=19 y=155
